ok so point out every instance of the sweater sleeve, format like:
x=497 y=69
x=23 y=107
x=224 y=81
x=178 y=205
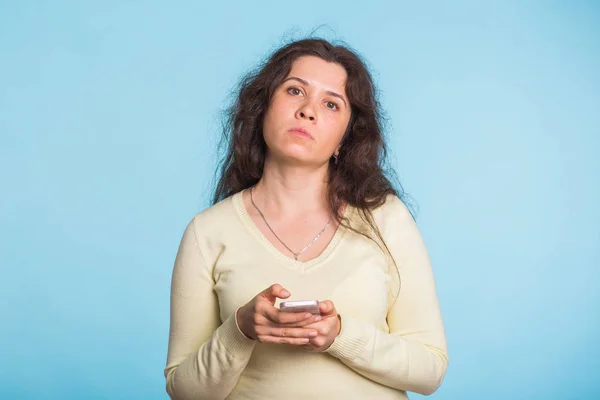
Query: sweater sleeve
x=413 y=355
x=205 y=357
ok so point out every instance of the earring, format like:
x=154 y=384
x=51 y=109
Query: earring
x=335 y=159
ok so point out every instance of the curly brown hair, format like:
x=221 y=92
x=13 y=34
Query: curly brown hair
x=361 y=176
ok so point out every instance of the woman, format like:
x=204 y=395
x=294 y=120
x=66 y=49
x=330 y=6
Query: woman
x=303 y=211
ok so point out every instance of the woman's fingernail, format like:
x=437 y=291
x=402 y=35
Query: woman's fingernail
x=307 y=315
x=285 y=293
x=305 y=340
x=312 y=334
x=318 y=318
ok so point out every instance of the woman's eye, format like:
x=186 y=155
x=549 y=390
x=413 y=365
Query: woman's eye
x=331 y=105
x=294 y=91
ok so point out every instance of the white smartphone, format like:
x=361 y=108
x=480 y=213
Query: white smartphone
x=311 y=306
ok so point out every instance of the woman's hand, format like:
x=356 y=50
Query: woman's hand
x=260 y=320
x=328 y=328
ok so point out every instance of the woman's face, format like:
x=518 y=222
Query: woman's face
x=309 y=113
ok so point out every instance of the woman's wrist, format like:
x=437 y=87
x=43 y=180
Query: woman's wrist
x=237 y=323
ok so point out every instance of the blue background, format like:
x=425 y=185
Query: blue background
x=109 y=118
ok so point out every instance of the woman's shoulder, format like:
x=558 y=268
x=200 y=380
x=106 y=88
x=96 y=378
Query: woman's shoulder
x=390 y=214
x=393 y=213
x=217 y=216
x=393 y=205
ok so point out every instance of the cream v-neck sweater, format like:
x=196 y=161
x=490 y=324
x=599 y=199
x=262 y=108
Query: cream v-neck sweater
x=384 y=349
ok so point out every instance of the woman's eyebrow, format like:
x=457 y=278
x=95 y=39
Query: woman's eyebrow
x=302 y=81
x=305 y=83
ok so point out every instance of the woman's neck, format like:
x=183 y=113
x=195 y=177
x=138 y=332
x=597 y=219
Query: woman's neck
x=292 y=191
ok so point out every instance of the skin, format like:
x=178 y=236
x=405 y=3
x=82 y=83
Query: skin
x=292 y=194
x=307 y=98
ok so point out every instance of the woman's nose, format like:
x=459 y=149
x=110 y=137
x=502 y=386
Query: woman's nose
x=310 y=117
x=307 y=112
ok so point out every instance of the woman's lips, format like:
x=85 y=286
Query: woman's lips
x=301 y=132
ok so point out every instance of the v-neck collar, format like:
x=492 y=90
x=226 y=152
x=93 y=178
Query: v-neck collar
x=240 y=207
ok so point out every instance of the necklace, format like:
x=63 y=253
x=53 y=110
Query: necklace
x=281 y=241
